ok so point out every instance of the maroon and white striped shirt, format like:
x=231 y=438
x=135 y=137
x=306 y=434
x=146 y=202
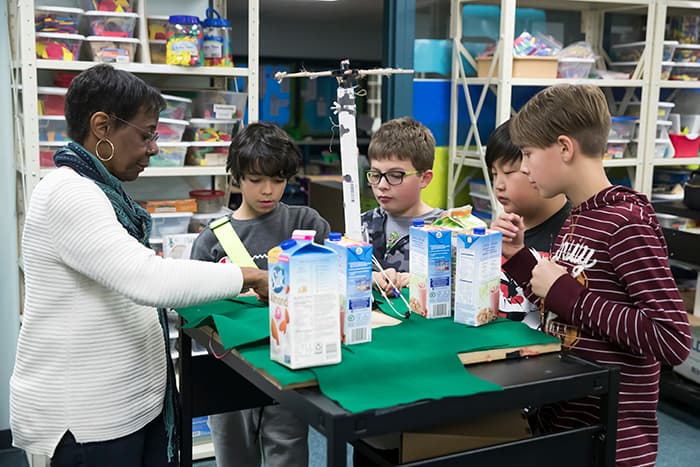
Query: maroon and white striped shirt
x=626 y=307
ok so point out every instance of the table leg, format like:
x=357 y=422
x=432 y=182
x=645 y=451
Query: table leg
x=336 y=453
x=608 y=418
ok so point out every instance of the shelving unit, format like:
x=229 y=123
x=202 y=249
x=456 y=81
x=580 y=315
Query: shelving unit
x=664 y=9
x=164 y=76
x=470 y=152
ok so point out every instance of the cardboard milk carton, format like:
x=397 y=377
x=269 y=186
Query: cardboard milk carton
x=355 y=266
x=430 y=270
x=304 y=303
x=477 y=291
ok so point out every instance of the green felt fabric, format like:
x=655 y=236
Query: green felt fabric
x=398 y=304
x=408 y=362
x=238 y=321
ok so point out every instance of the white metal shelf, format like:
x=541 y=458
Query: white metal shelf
x=502 y=83
x=676 y=161
x=191 y=171
x=603 y=83
x=679 y=84
x=146 y=68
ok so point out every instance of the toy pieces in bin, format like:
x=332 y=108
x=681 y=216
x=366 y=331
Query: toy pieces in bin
x=51 y=100
x=220 y=105
x=176 y=107
x=112 y=49
x=57 y=46
x=184 y=45
x=157 y=27
x=111 y=24
x=57 y=19
x=119 y=6
x=210 y=156
x=212 y=131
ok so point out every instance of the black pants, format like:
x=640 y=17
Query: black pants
x=144 y=448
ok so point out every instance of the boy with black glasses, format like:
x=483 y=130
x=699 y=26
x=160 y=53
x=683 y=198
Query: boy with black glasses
x=401 y=155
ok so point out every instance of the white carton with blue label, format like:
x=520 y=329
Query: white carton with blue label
x=355 y=266
x=477 y=291
x=304 y=303
x=430 y=270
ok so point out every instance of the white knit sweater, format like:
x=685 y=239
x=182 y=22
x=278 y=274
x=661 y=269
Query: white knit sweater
x=91 y=356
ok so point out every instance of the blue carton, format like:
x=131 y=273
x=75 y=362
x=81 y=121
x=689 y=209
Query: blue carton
x=355 y=266
x=430 y=266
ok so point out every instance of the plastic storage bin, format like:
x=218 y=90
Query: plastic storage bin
x=685 y=72
x=687 y=53
x=171 y=130
x=662 y=130
x=169 y=155
x=57 y=46
x=51 y=100
x=112 y=49
x=46 y=152
x=53 y=128
x=210 y=130
x=685 y=146
x=616 y=148
x=211 y=155
x=629 y=67
x=157 y=48
x=179 y=108
x=574 y=68
x=111 y=24
x=169 y=223
x=120 y=6
x=225 y=105
x=632 y=51
x=690 y=124
x=662 y=148
x=622 y=127
x=57 y=19
x=208 y=200
x=664 y=112
x=157 y=27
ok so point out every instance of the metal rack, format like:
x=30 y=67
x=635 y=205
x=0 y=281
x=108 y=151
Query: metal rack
x=470 y=153
x=26 y=75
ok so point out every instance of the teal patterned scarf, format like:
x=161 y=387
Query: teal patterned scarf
x=137 y=221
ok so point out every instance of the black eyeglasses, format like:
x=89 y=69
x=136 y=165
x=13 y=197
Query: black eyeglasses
x=393 y=177
x=148 y=136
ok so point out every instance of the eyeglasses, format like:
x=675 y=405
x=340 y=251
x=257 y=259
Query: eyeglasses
x=148 y=136
x=393 y=177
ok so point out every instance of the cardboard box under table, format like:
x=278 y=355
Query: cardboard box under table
x=368 y=394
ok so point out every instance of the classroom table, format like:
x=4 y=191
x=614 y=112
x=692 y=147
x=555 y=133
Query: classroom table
x=213 y=385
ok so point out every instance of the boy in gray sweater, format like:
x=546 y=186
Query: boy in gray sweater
x=262 y=158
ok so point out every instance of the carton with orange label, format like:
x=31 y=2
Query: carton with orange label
x=304 y=303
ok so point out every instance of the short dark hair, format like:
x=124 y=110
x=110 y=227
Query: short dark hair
x=102 y=88
x=405 y=139
x=263 y=148
x=500 y=147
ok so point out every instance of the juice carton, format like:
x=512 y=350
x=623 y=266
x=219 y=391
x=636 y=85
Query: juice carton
x=477 y=291
x=429 y=267
x=304 y=304
x=355 y=265
x=458 y=220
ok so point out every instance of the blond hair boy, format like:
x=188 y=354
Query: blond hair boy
x=608 y=289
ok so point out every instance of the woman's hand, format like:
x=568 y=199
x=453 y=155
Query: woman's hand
x=544 y=274
x=255 y=279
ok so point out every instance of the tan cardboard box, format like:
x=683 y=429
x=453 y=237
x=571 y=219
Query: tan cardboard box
x=523 y=67
x=447 y=439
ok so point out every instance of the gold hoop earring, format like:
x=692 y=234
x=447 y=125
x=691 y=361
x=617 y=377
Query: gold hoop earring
x=97 y=149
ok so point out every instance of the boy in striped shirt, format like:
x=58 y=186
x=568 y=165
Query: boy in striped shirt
x=607 y=290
